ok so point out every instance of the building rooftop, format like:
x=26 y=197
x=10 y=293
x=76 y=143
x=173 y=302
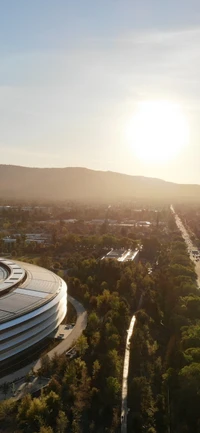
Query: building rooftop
x=143 y=223
x=122 y=255
x=24 y=287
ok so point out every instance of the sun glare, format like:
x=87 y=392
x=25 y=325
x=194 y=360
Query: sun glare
x=158 y=131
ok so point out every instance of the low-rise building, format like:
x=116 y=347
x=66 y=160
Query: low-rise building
x=122 y=255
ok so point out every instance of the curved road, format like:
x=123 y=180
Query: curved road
x=77 y=330
x=62 y=347
x=124 y=408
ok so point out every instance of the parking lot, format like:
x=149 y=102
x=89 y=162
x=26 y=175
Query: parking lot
x=63 y=331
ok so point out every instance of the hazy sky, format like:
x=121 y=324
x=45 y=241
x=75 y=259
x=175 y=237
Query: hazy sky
x=73 y=71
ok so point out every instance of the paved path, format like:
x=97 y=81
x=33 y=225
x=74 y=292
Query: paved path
x=62 y=347
x=124 y=408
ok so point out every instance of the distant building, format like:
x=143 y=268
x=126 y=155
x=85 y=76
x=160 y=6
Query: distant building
x=101 y=221
x=39 y=238
x=37 y=241
x=36 y=236
x=122 y=255
x=143 y=224
x=9 y=240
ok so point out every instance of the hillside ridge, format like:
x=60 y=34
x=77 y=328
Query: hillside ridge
x=80 y=183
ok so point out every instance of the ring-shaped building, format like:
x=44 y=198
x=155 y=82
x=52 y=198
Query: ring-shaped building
x=33 y=303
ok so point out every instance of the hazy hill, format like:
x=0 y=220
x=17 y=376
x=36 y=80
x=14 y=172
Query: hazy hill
x=27 y=183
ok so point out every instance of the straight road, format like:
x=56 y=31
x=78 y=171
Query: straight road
x=124 y=408
x=189 y=243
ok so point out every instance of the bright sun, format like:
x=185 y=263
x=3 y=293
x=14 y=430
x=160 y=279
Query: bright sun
x=158 y=131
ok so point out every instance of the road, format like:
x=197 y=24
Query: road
x=124 y=408
x=62 y=347
x=190 y=245
x=79 y=327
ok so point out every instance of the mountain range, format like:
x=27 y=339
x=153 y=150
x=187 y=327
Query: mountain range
x=82 y=184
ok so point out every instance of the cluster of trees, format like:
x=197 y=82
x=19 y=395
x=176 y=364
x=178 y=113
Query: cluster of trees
x=84 y=394
x=165 y=352
x=80 y=236
x=63 y=238
x=73 y=242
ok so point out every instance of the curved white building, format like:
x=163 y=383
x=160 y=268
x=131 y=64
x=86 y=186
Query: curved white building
x=33 y=303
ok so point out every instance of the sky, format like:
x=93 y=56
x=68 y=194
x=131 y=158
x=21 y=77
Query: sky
x=72 y=73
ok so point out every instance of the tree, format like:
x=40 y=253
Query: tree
x=191 y=336
x=189 y=396
x=95 y=339
x=7 y=407
x=61 y=422
x=45 y=429
x=112 y=389
x=32 y=412
x=95 y=368
x=115 y=421
x=192 y=355
x=45 y=366
x=76 y=427
x=114 y=341
x=52 y=401
x=23 y=408
x=82 y=345
x=114 y=363
x=142 y=404
x=192 y=304
x=55 y=386
x=93 y=322
x=46 y=261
